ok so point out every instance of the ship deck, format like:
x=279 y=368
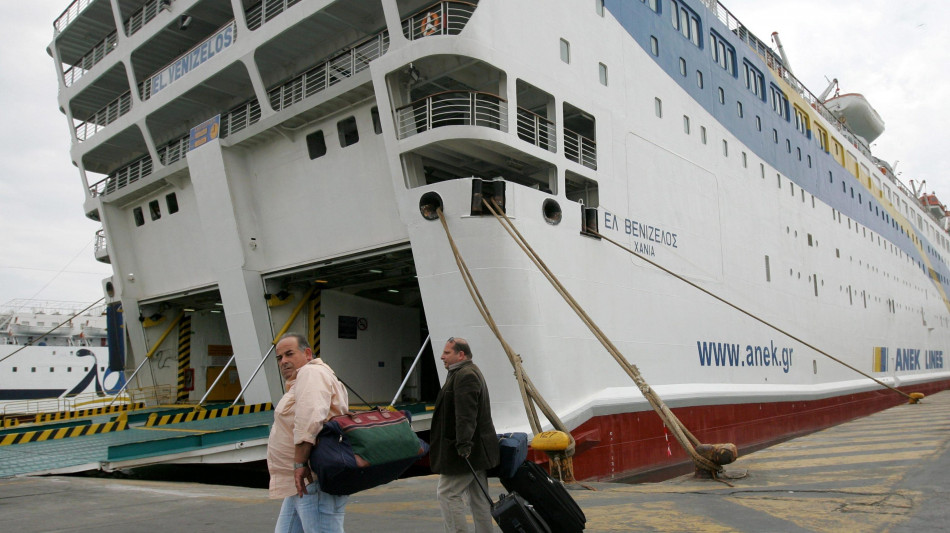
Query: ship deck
x=883 y=472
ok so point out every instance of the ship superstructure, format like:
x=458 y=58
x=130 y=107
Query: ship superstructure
x=262 y=165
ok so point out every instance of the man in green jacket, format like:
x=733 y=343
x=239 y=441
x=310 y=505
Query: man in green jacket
x=462 y=429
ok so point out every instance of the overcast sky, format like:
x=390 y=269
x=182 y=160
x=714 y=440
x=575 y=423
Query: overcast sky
x=895 y=53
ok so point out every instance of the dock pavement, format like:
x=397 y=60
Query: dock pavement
x=888 y=472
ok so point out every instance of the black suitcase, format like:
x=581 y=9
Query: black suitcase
x=548 y=496
x=512 y=513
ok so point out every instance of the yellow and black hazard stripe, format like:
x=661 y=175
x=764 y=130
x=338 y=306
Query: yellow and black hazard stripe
x=63 y=433
x=184 y=358
x=156 y=419
x=313 y=323
x=11 y=422
x=68 y=415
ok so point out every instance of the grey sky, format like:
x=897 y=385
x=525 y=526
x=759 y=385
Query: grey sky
x=895 y=53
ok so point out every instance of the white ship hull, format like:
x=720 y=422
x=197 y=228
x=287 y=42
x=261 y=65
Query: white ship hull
x=302 y=210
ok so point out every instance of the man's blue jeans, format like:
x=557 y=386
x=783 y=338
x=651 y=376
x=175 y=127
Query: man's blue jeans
x=317 y=512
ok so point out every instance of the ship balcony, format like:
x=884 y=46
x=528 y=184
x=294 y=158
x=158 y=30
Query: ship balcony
x=580 y=149
x=452 y=108
x=101 y=248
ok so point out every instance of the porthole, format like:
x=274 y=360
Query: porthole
x=429 y=205
x=551 y=211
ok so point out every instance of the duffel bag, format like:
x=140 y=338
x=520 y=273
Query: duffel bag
x=358 y=451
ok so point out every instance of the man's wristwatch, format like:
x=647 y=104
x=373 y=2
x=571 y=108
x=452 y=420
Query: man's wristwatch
x=300 y=465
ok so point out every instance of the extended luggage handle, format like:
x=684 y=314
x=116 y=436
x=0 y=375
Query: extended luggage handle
x=484 y=490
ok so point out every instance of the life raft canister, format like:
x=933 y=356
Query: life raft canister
x=430 y=24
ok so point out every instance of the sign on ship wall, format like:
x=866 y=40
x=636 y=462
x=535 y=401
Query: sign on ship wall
x=214 y=45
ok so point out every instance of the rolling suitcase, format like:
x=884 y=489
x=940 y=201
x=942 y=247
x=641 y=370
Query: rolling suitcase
x=548 y=497
x=512 y=513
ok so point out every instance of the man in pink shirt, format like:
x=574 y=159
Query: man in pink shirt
x=313 y=396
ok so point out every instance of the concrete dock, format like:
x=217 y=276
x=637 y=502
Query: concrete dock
x=889 y=472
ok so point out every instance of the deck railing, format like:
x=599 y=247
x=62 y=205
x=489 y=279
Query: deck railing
x=452 y=108
x=140 y=18
x=93 y=56
x=100 y=245
x=580 y=149
x=70 y=14
x=537 y=130
x=123 y=177
x=330 y=72
x=105 y=116
x=174 y=150
x=258 y=14
x=441 y=18
x=240 y=118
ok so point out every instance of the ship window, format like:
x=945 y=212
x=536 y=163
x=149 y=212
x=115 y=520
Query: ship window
x=822 y=138
x=686 y=124
x=722 y=96
x=603 y=74
x=702 y=133
x=725 y=148
x=652 y=4
x=739 y=109
x=316 y=145
x=14 y=369
x=51 y=369
x=599 y=7
x=377 y=125
x=699 y=78
x=801 y=121
x=799 y=151
x=768 y=272
x=775 y=135
x=658 y=107
x=565 y=51
x=33 y=369
x=754 y=81
x=682 y=66
x=779 y=102
x=809 y=161
x=788 y=146
x=758 y=122
x=139 y=216
x=171 y=201
x=722 y=53
x=745 y=160
x=346 y=129
x=654 y=46
x=154 y=210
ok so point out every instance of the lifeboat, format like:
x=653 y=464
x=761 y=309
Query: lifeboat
x=854 y=111
x=932 y=204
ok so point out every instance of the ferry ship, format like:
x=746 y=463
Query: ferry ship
x=54 y=354
x=274 y=165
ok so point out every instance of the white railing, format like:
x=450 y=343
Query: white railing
x=264 y=11
x=441 y=18
x=93 y=56
x=123 y=177
x=240 y=118
x=105 y=116
x=174 y=151
x=140 y=18
x=537 y=130
x=580 y=149
x=452 y=108
x=101 y=246
x=70 y=14
x=329 y=73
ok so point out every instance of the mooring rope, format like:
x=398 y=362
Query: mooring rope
x=752 y=316
x=529 y=394
x=686 y=439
